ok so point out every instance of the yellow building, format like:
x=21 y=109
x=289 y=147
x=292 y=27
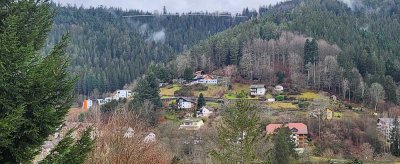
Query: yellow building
x=329 y=114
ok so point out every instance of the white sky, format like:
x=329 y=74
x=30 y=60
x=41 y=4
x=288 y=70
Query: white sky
x=233 y=6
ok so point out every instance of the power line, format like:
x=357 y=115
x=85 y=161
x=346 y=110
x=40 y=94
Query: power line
x=211 y=15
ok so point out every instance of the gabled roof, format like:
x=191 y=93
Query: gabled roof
x=257 y=86
x=296 y=128
x=187 y=100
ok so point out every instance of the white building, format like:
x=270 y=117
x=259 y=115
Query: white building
x=151 y=137
x=204 y=79
x=121 y=94
x=271 y=100
x=204 y=112
x=257 y=90
x=129 y=133
x=185 y=104
x=279 y=88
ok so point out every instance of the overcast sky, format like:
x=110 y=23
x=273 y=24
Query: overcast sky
x=233 y=6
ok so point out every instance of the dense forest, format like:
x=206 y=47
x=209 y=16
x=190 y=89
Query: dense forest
x=109 y=50
x=321 y=44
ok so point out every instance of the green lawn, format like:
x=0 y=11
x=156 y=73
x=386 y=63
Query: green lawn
x=282 y=105
x=166 y=91
x=171 y=116
x=212 y=91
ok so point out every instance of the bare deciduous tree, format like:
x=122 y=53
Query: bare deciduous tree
x=377 y=93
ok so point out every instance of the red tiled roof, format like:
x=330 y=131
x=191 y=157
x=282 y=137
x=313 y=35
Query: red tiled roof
x=301 y=128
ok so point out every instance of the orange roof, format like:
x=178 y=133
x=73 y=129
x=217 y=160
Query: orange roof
x=296 y=128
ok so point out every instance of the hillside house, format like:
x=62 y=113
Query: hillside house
x=299 y=132
x=279 y=88
x=87 y=104
x=329 y=114
x=185 y=103
x=121 y=94
x=191 y=124
x=202 y=78
x=151 y=137
x=257 y=90
x=204 y=112
x=129 y=133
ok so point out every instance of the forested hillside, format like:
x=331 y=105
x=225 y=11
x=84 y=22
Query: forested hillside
x=349 y=48
x=109 y=50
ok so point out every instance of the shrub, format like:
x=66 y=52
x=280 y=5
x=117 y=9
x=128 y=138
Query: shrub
x=303 y=105
x=280 y=98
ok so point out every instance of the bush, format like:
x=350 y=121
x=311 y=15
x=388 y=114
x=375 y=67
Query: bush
x=184 y=91
x=280 y=98
x=303 y=105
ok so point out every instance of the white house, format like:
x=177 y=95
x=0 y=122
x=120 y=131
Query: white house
x=204 y=79
x=151 y=137
x=185 y=103
x=257 y=90
x=122 y=94
x=129 y=133
x=192 y=124
x=101 y=101
x=279 y=88
x=204 y=112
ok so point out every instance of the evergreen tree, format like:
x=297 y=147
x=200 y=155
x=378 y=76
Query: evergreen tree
x=238 y=134
x=146 y=99
x=201 y=101
x=68 y=151
x=283 y=151
x=395 y=139
x=188 y=74
x=35 y=89
x=148 y=88
x=307 y=52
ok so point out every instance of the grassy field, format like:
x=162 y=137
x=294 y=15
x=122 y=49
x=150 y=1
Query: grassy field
x=169 y=91
x=171 y=116
x=308 y=95
x=237 y=87
x=213 y=104
x=282 y=105
x=212 y=91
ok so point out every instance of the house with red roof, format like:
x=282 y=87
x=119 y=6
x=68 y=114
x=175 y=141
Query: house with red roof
x=299 y=132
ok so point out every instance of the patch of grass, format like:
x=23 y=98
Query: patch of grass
x=308 y=95
x=171 y=116
x=267 y=96
x=229 y=96
x=213 y=104
x=238 y=87
x=337 y=114
x=212 y=91
x=169 y=91
x=282 y=105
x=323 y=159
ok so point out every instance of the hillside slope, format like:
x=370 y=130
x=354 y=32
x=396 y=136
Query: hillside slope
x=365 y=38
x=109 y=50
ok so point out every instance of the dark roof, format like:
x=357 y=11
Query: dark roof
x=257 y=86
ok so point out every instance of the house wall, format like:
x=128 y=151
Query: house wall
x=123 y=93
x=204 y=81
x=185 y=105
x=258 y=91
